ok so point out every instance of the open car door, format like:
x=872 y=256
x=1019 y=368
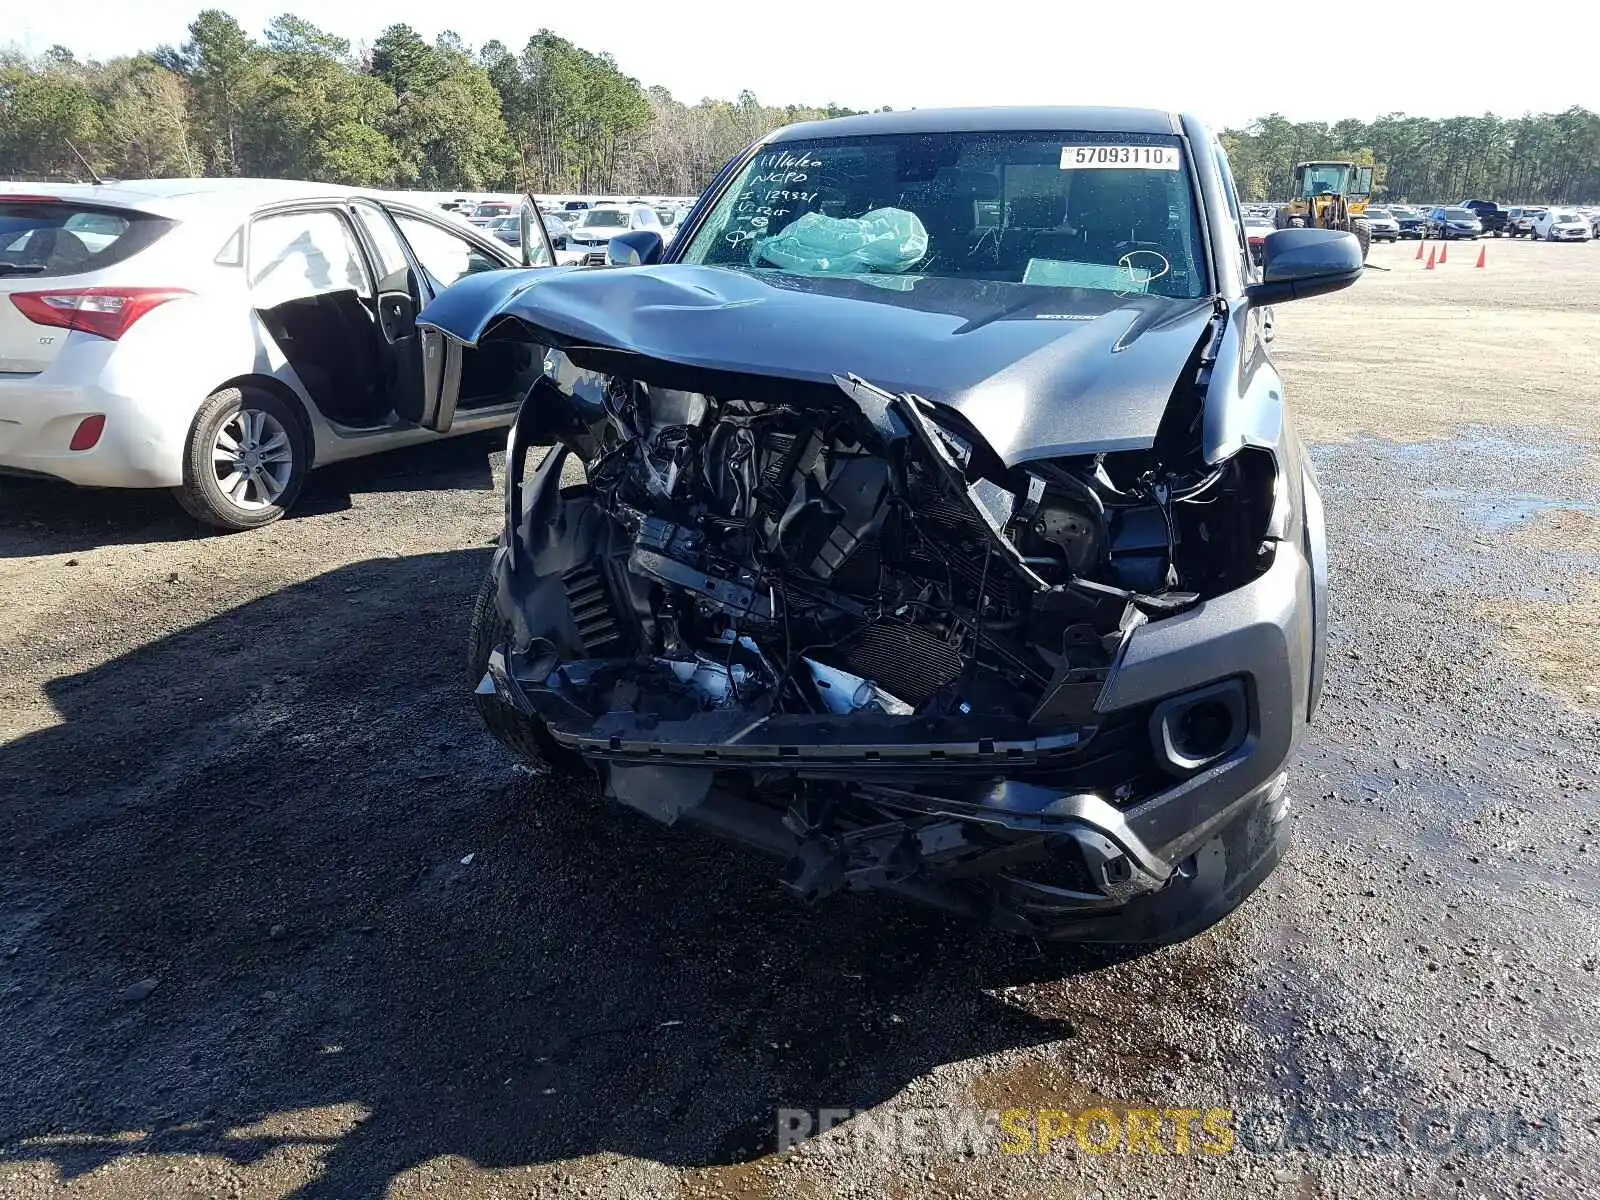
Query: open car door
x=481 y=375
x=397 y=302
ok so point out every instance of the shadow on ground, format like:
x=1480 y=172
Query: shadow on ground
x=269 y=816
x=44 y=516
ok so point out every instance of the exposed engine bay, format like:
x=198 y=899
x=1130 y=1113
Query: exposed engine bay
x=870 y=556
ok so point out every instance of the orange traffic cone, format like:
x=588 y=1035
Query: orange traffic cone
x=1444 y=253
x=1419 y=248
x=1483 y=256
x=1429 y=267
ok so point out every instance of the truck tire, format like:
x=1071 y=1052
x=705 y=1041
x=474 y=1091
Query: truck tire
x=526 y=737
x=1363 y=231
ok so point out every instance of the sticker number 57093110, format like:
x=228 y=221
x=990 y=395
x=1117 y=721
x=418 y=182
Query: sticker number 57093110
x=1102 y=157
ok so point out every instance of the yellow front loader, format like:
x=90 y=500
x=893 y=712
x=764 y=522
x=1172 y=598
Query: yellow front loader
x=1329 y=195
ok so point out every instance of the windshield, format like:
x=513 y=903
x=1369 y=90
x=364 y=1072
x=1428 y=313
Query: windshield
x=1460 y=214
x=1322 y=180
x=1378 y=214
x=1113 y=212
x=604 y=218
x=491 y=210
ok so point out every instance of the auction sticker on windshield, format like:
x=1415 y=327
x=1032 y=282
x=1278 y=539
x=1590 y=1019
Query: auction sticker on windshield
x=1101 y=157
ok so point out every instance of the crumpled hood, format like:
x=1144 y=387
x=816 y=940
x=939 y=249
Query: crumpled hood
x=1037 y=371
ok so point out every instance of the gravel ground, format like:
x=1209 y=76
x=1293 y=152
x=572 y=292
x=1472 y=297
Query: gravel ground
x=277 y=918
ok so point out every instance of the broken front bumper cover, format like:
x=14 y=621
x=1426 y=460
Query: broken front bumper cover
x=1157 y=865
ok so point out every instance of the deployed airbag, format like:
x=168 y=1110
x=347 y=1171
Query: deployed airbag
x=885 y=239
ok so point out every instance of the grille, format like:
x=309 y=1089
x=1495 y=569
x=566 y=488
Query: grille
x=590 y=602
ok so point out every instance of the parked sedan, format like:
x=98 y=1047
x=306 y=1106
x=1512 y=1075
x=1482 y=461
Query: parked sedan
x=1451 y=222
x=509 y=230
x=906 y=555
x=1411 y=222
x=1383 y=224
x=488 y=211
x=220 y=337
x=1561 y=225
x=506 y=229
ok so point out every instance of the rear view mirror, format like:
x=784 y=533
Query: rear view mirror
x=636 y=248
x=1297 y=263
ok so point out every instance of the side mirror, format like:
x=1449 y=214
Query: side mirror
x=635 y=248
x=1297 y=263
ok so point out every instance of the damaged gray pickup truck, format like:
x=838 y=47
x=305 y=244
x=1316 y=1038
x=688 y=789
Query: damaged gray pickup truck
x=941 y=527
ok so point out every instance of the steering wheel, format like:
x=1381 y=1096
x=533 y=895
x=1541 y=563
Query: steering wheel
x=1144 y=256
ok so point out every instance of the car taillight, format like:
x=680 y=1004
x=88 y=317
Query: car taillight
x=104 y=311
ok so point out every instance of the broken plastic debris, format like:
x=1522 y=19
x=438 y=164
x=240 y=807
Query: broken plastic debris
x=466 y=860
x=885 y=239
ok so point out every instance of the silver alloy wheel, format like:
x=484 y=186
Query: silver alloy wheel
x=253 y=458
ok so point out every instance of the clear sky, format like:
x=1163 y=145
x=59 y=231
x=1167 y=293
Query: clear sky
x=1226 y=62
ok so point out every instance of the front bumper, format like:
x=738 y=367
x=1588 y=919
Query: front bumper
x=1149 y=856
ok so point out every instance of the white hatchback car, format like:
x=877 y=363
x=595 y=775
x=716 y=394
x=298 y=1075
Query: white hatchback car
x=220 y=337
x=1561 y=225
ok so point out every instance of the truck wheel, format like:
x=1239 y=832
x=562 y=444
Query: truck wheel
x=245 y=460
x=525 y=737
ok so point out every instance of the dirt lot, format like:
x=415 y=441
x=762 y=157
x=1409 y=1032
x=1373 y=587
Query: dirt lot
x=277 y=918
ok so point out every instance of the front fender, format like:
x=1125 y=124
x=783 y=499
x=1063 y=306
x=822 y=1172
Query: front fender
x=1244 y=401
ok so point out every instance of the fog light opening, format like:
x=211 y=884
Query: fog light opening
x=1195 y=729
x=1204 y=729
